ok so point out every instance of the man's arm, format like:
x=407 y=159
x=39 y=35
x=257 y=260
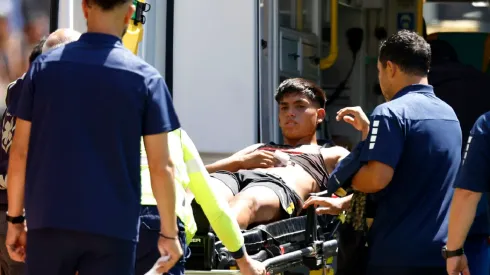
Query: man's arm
x=17 y=168
x=373 y=177
x=332 y=156
x=382 y=151
x=463 y=211
x=232 y=163
x=162 y=180
x=16 y=173
x=159 y=119
x=473 y=179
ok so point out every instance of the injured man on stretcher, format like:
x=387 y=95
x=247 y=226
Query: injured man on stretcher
x=264 y=183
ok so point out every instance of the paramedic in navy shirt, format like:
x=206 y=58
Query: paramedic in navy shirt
x=473 y=180
x=75 y=156
x=412 y=154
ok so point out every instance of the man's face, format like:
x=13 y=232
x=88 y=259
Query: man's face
x=385 y=78
x=299 y=116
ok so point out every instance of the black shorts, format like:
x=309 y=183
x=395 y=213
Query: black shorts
x=290 y=201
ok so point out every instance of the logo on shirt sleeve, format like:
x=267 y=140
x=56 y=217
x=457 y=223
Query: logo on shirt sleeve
x=467 y=148
x=374 y=133
x=8 y=128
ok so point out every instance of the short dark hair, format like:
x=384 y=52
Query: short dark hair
x=108 y=5
x=301 y=86
x=408 y=50
x=37 y=50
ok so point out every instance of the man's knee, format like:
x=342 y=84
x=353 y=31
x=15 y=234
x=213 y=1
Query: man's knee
x=245 y=208
x=254 y=205
x=246 y=202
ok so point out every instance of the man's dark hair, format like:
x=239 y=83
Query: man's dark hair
x=38 y=49
x=108 y=5
x=304 y=87
x=408 y=50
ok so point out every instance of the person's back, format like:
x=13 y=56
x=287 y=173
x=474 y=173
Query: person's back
x=82 y=112
x=411 y=215
x=464 y=88
x=102 y=90
x=459 y=85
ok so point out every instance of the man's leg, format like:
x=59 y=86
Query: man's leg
x=52 y=252
x=226 y=184
x=259 y=197
x=257 y=204
x=147 y=252
x=222 y=189
x=105 y=255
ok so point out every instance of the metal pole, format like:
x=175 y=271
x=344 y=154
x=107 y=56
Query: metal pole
x=169 y=47
x=53 y=15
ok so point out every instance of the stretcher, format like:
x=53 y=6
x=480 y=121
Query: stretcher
x=305 y=241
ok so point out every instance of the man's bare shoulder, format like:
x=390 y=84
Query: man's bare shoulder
x=333 y=155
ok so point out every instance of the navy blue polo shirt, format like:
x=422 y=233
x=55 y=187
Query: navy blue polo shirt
x=419 y=136
x=474 y=173
x=90 y=102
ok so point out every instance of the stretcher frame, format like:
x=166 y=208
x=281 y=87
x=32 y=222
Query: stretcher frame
x=307 y=240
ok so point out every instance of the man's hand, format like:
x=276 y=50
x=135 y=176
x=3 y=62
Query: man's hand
x=457 y=265
x=356 y=117
x=171 y=248
x=328 y=206
x=16 y=242
x=249 y=266
x=258 y=159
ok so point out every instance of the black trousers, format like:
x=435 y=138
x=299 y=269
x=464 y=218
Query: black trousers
x=63 y=252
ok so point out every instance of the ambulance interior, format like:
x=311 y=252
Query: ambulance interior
x=222 y=61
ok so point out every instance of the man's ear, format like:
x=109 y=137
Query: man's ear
x=129 y=14
x=320 y=115
x=84 y=8
x=391 y=68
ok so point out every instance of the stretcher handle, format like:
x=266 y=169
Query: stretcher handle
x=261 y=256
x=288 y=257
x=329 y=248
